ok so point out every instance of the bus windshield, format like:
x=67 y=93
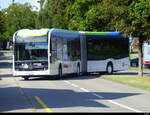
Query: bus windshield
x=31 y=51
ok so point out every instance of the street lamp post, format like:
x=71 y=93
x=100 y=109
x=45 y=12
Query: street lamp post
x=13 y=1
x=39 y=1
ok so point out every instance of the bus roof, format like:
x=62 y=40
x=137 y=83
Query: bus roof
x=64 y=31
x=35 y=35
x=104 y=33
x=30 y=33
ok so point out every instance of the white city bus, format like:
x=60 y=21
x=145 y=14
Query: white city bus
x=146 y=54
x=56 y=52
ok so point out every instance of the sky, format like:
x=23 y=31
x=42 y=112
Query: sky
x=6 y=3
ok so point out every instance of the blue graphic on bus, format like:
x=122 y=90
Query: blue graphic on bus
x=148 y=51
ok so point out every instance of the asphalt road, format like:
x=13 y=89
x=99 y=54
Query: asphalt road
x=89 y=93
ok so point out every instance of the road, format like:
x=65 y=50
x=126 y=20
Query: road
x=89 y=93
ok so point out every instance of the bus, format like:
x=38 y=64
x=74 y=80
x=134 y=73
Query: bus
x=146 y=54
x=57 y=52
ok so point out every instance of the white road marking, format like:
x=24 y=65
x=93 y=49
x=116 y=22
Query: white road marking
x=101 y=97
x=124 y=106
x=121 y=105
x=74 y=85
x=83 y=89
x=67 y=82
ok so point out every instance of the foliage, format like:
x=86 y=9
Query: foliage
x=18 y=16
x=139 y=13
x=134 y=45
x=138 y=21
x=128 y=16
x=2 y=26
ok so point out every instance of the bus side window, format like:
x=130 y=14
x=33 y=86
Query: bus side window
x=53 y=49
x=65 y=50
x=75 y=49
x=59 y=48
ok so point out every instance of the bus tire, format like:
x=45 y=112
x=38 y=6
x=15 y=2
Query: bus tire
x=26 y=78
x=78 y=70
x=109 y=68
x=59 y=73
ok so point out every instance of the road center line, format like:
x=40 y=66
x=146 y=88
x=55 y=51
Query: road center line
x=46 y=108
x=24 y=95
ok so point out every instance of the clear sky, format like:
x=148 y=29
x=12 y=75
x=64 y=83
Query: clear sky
x=6 y=3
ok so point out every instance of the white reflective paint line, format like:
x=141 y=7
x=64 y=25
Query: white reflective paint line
x=98 y=95
x=74 y=85
x=67 y=82
x=124 y=106
x=83 y=89
x=121 y=105
x=101 y=97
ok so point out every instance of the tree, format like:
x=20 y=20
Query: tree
x=77 y=14
x=44 y=17
x=41 y=3
x=2 y=25
x=138 y=23
x=52 y=14
x=128 y=16
x=18 y=16
x=58 y=10
x=104 y=15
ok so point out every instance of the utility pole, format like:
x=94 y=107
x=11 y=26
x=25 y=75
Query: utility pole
x=13 y=1
x=40 y=3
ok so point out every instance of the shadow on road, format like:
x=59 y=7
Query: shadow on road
x=84 y=77
x=130 y=73
x=66 y=77
x=11 y=99
x=126 y=73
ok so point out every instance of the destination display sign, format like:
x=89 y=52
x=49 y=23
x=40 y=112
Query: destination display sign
x=34 y=47
x=24 y=39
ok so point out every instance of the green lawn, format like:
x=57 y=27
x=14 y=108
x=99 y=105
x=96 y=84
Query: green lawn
x=132 y=56
x=137 y=69
x=132 y=80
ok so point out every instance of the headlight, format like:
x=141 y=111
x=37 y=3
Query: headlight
x=25 y=66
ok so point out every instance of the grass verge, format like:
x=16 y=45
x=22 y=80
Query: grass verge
x=137 y=68
x=132 y=80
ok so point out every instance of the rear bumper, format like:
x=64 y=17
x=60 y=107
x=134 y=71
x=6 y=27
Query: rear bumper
x=30 y=73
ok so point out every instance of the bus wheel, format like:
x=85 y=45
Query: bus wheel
x=59 y=73
x=26 y=78
x=109 y=68
x=78 y=70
